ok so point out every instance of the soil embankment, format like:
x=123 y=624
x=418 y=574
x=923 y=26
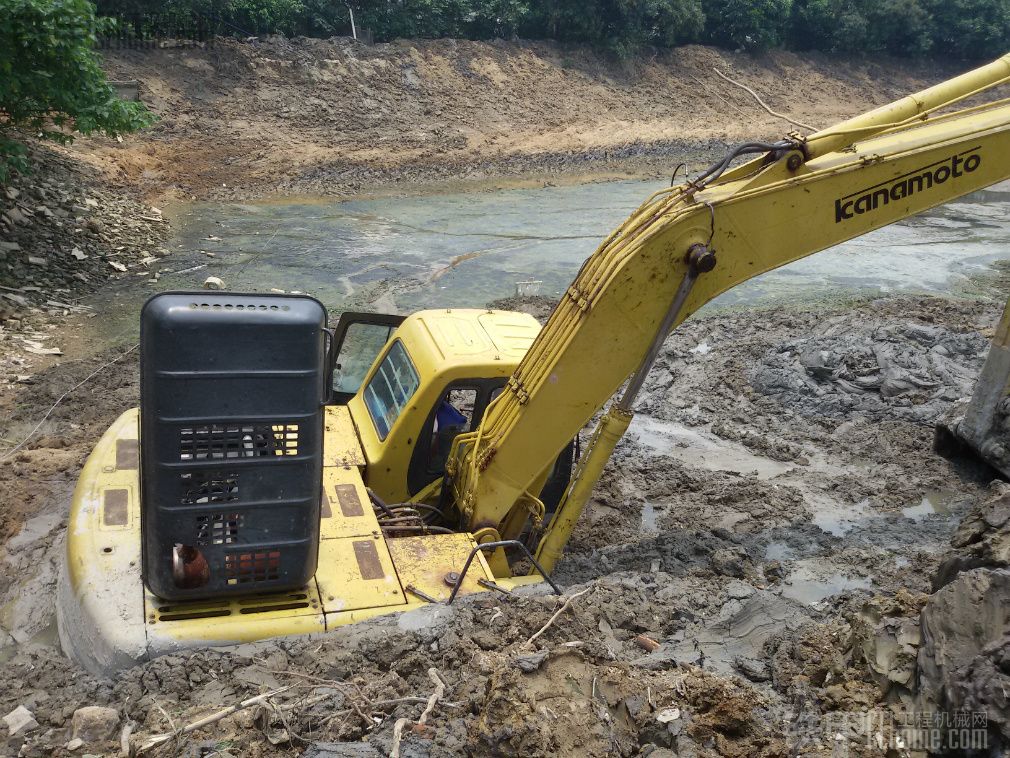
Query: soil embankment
x=757 y=555
x=336 y=117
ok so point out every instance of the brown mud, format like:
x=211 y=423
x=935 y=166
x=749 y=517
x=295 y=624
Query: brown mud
x=747 y=531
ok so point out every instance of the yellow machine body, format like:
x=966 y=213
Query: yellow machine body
x=108 y=619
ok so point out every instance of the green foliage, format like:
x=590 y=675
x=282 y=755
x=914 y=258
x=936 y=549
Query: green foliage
x=898 y=27
x=970 y=28
x=747 y=24
x=51 y=83
x=622 y=26
x=267 y=16
x=954 y=28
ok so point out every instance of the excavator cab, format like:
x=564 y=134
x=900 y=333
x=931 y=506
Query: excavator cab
x=411 y=385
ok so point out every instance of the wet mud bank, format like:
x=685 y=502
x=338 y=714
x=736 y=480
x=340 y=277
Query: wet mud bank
x=774 y=546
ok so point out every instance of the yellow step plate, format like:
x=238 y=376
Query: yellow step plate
x=346 y=509
x=356 y=573
x=424 y=562
x=171 y=626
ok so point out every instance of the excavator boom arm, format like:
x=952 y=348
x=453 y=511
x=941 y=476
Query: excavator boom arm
x=801 y=196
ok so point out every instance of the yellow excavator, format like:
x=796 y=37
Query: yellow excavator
x=281 y=477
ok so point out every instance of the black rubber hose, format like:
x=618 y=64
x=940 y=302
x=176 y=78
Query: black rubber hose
x=377 y=501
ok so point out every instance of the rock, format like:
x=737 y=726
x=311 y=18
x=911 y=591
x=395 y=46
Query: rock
x=964 y=626
x=37 y=261
x=78 y=254
x=9 y=247
x=530 y=663
x=74 y=744
x=93 y=723
x=11 y=193
x=739 y=590
x=19 y=721
x=667 y=715
x=117 y=265
x=888 y=644
x=982 y=540
x=15 y=217
x=730 y=562
x=213 y=283
x=754 y=669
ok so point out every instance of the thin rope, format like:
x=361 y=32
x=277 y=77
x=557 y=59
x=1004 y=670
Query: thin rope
x=63 y=397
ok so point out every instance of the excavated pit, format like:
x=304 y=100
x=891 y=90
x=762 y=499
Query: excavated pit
x=743 y=523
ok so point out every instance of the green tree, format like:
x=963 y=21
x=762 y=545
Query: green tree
x=899 y=27
x=622 y=26
x=267 y=16
x=747 y=24
x=51 y=81
x=970 y=28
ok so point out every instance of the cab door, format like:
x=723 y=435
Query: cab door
x=357 y=341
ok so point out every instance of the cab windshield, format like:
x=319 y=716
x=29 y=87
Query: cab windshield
x=390 y=389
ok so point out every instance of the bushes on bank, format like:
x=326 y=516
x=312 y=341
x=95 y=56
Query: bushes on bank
x=51 y=82
x=911 y=28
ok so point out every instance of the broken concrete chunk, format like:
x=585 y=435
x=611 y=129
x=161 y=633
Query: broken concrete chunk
x=78 y=254
x=19 y=721
x=117 y=265
x=213 y=283
x=37 y=261
x=9 y=247
x=94 y=723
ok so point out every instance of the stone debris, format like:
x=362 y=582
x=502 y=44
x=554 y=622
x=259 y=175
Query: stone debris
x=853 y=365
x=213 y=283
x=20 y=720
x=58 y=225
x=94 y=723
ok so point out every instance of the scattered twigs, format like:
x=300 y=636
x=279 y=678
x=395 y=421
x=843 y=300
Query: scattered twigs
x=401 y=723
x=558 y=612
x=764 y=105
x=397 y=736
x=435 y=696
x=160 y=739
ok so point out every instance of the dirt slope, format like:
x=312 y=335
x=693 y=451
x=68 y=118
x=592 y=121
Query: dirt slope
x=335 y=116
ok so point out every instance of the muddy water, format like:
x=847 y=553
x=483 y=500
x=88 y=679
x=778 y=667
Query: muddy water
x=465 y=250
